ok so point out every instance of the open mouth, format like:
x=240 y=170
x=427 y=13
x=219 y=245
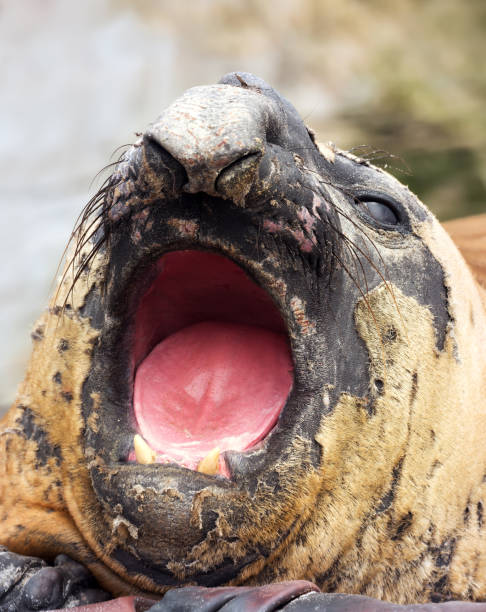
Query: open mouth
x=213 y=363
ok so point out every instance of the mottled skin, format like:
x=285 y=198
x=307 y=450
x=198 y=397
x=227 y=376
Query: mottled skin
x=373 y=481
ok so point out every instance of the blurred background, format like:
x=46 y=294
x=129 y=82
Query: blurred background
x=79 y=78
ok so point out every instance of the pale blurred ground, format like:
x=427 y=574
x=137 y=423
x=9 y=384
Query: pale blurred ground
x=79 y=78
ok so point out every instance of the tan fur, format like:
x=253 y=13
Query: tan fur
x=425 y=428
x=43 y=508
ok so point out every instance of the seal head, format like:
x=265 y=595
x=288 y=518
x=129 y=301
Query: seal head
x=288 y=319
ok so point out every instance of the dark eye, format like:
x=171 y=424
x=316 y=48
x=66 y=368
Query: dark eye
x=381 y=212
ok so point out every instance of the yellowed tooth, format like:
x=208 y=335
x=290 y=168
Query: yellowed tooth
x=210 y=463
x=143 y=453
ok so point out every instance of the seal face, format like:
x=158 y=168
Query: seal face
x=263 y=363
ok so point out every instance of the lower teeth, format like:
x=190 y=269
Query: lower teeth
x=143 y=453
x=210 y=463
x=146 y=455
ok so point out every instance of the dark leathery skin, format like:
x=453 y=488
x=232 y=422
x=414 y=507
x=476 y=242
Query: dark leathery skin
x=28 y=583
x=230 y=599
x=297 y=596
x=336 y=602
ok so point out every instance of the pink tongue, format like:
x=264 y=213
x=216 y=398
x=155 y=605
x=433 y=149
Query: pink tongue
x=211 y=385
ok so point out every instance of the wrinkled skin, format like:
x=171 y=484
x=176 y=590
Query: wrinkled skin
x=29 y=583
x=372 y=482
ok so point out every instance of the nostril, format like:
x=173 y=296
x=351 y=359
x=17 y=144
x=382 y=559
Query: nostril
x=164 y=165
x=235 y=181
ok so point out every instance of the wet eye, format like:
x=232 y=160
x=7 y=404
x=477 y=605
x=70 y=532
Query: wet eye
x=382 y=212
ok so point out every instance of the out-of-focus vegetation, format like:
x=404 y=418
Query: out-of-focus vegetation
x=405 y=76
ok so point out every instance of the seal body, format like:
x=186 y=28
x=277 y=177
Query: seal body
x=371 y=477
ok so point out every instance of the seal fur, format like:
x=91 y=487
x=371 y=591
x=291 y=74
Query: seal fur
x=372 y=482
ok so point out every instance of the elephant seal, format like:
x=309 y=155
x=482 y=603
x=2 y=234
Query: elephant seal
x=264 y=362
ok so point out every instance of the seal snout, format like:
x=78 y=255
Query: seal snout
x=219 y=135
x=226 y=138
x=230 y=177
